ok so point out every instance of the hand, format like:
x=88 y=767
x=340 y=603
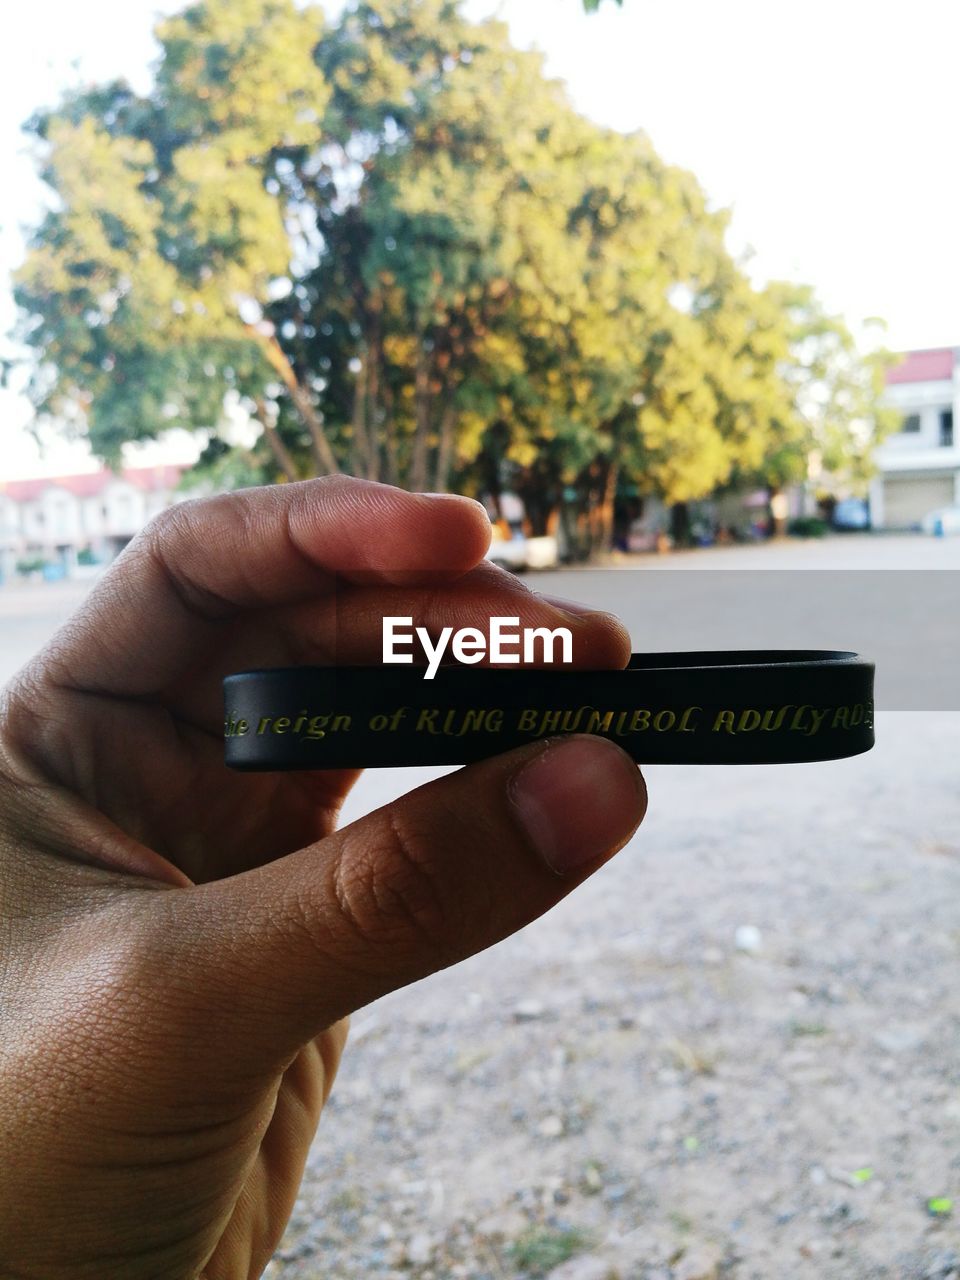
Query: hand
x=180 y=945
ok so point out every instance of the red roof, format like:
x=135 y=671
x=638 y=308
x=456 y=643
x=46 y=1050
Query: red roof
x=89 y=485
x=924 y=366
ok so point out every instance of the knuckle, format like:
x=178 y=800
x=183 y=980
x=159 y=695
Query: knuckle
x=390 y=892
x=178 y=541
x=172 y=521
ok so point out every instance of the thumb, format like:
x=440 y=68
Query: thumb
x=449 y=869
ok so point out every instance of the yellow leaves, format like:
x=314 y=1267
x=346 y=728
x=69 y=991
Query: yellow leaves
x=529 y=253
x=98 y=180
x=523 y=452
x=582 y=390
x=689 y=458
x=400 y=349
x=502 y=352
x=249 y=63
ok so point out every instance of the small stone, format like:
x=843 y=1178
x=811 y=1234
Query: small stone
x=589 y=1267
x=811 y=1248
x=420 y=1249
x=528 y=1010
x=550 y=1127
x=506 y=1224
x=748 y=939
x=943 y=1266
x=900 y=1039
x=617 y=1193
x=702 y=1262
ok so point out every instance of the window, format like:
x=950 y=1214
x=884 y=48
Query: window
x=946 y=428
x=911 y=423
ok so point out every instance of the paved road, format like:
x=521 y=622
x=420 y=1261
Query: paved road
x=853 y=593
x=621 y=1081
x=29 y=615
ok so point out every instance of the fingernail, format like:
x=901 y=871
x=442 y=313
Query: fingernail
x=576 y=607
x=457 y=497
x=580 y=798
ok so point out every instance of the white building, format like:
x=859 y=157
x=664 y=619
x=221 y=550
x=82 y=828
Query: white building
x=920 y=464
x=56 y=519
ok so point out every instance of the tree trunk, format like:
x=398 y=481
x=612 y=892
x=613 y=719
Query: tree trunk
x=391 y=448
x=568 y=533
x=607 y=503
x=326 y=462
x=281 y=453
x=359 y=445
x=374 y=412
x=421 y=399
x=538 y=505
x=680 y=524
x=445 y=448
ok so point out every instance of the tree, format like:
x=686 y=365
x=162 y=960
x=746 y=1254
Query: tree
x=400 y=248
x=146 y=284
x=836 y=389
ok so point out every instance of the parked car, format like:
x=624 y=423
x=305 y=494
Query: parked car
x=852 y=514
x=941 y=521
x=520 y=553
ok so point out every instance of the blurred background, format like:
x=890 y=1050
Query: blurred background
x=667 y=287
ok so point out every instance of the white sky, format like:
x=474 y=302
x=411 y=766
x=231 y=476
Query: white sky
x=830 y=127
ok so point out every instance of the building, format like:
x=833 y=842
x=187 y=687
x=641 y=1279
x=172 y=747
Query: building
x=93 y=516
x=919 y=465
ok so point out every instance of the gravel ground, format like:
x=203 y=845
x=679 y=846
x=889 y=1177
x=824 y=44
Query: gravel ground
x=733 y=1053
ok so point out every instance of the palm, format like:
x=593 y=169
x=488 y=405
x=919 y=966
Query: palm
x=208 y=822
x=260 y=1205
x=188 y=807
x=114 y=738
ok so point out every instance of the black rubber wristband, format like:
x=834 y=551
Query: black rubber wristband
x=745 y=707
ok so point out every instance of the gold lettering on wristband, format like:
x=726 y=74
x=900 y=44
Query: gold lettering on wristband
x=804 y=720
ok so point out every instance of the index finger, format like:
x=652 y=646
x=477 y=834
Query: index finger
x=203 y=563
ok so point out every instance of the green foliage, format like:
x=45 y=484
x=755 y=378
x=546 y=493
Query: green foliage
x=396 y=244
x=807 y=527
x=221 y=467
x=33 y=565
x=541 y=1250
